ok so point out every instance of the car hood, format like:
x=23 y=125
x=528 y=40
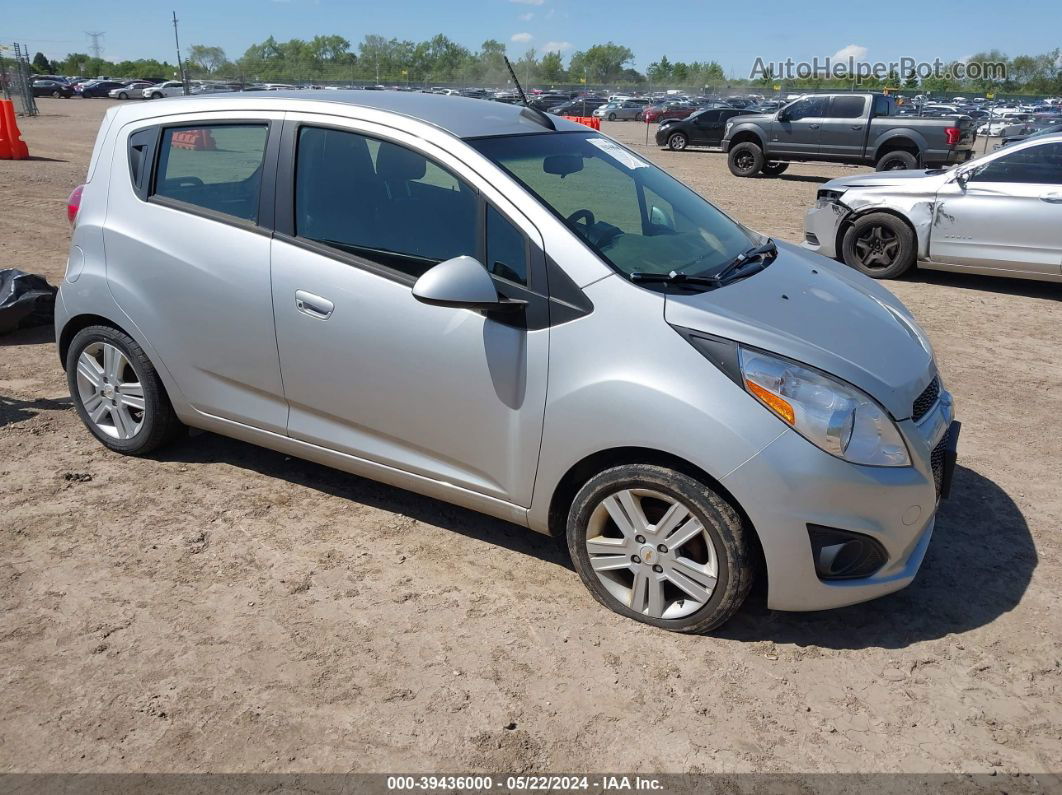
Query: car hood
x=819 y=312
x=886 y=179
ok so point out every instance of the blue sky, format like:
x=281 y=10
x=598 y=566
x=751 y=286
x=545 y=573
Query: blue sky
x=733 y=34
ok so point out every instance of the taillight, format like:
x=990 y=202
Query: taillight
x=73 y=204
x=952 y=135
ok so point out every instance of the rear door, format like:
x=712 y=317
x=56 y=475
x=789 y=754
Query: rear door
x=188 y=256
x=844 y=128
x=1008 y=217
x=797 y=132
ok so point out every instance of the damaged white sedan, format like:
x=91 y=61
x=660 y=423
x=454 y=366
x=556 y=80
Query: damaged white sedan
x=998 y=215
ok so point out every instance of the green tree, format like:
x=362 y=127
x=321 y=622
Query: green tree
x=204 y=60
x=551 y=68
x=41 y=65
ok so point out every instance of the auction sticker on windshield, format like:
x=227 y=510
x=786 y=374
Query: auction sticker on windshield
x=618 y=152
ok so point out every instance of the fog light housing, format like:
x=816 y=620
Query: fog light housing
x=844 y=555
x=811 y=238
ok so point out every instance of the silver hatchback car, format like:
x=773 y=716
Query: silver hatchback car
x=514 y=313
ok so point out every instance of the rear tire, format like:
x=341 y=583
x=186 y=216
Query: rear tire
x=118 y=393
x=898 y=160
x=745 y=160
x=773 y=169
x=628 y=564
x=879 y=245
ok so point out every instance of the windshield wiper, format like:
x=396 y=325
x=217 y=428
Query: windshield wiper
x=733 y=269
x=674 y=277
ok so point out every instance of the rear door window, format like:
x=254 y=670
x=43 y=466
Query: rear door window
x=217 y=167
x=847 y=107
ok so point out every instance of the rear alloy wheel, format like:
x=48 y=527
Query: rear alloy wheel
x=676 y=142
x=118 y=393
x=879 y=245
x=660 y=547
x=745 y=160
x=773 y=169
x=897 y=161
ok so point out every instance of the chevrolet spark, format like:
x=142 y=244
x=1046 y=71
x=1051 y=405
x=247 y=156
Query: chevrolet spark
x=514 y=313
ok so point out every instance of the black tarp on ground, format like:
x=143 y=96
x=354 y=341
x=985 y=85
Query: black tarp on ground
x=26 y=299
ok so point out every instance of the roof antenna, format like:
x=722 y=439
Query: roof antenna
x=528 y=112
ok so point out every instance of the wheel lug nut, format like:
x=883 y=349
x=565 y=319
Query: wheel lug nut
x=658 y=568
x=636 y=559
x=640 y=539
x=662 y=548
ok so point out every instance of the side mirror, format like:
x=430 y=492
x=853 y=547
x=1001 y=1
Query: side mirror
x=463 y=283
x=658 y=217
x=962 y=177
x=782 y=115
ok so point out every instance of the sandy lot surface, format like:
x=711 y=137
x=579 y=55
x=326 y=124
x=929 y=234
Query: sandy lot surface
x=220 y=607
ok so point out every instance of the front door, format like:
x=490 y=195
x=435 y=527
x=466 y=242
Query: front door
x=450 y=394
x=796 y=131
x=1008 y=215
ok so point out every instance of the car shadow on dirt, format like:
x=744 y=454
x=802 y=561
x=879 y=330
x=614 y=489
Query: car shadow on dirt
x=978 y=566
x=207 y=447
x=12 y=410
x=1005 y=285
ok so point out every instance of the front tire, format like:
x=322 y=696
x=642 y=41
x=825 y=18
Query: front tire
x=612 y=117
x=879 y=245
x=745 y=160
x=660 y=547
x=123 y=95
x=677 y=142
x=118 y=393
x=156 y=95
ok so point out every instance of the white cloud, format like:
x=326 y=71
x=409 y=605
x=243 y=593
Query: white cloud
x=527 y=17
x=529 y=2
x=556 y=46
x=854 y=51
x=522 y=37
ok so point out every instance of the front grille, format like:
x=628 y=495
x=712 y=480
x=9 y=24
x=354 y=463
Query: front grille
x=924 y=402
x=936 y=461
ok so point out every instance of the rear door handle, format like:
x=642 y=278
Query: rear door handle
x=857 y=126
x=813 y=126
x=1051 y=198
x=313 y=305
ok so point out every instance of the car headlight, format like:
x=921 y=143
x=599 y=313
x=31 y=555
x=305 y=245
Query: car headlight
x=827 y=197
x=829 y=413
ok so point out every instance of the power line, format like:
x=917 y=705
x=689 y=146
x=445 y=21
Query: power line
x=96 y=46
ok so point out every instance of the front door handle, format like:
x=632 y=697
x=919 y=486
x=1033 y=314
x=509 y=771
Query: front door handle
x=313 y=305
x=1052 y=198
x=813 y=126
x=857 y=126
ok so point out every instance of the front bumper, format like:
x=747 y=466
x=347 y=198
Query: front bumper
x=821 y=227
x=791 y=483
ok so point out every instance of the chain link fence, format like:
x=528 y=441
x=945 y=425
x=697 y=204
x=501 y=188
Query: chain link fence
x=15 y=74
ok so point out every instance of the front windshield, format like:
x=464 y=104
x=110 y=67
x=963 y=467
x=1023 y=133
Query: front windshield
x=635 y=216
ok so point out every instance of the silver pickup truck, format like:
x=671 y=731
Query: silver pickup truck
x=845 y=128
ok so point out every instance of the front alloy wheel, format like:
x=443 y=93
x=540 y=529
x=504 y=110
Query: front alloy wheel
x=677 y=142
x=651 y=553
x=658 y=546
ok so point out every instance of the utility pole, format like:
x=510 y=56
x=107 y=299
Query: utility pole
x=180 y=66
x=96 y=47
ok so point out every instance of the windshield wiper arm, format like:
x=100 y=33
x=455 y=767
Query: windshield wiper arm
x=768 y=249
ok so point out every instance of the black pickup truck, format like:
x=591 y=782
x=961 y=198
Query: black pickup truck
x=845 y=128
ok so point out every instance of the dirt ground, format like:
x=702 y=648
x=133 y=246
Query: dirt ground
x=220 y=607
